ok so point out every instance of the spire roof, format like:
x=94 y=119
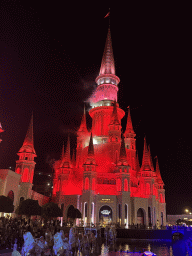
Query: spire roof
x=90 y=155
x=122 y=149
x=114 y=115
x=129 y=127
x=159 y=178
x=91 y=147
x=123 y=155
x=66 y=158
x=28 y=145
x=107 y=63
x=146 y=161
x=83 y=126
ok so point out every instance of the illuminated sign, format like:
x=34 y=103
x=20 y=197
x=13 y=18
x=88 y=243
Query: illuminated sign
x=106 y=200
x=106 y=212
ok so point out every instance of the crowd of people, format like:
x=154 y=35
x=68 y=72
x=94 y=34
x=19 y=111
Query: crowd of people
x=33 y=237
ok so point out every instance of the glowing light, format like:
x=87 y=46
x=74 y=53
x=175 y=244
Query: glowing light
x=105 y=212
x=95 y=141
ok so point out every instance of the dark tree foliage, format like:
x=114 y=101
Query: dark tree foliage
x=29 y=207
x=50 y=210
x=73 y=213
x=6 y=204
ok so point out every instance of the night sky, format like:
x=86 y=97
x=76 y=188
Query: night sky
x=50 y=55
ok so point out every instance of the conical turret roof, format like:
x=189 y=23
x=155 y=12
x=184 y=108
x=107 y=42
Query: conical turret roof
x=129 y=126
x=123 y=155
x=66 y=157
x=90 y=155
x=159 y=178
x=114 y=115
x=28 y=145
x=146 y=161
x=107 y=63
x=83 y=126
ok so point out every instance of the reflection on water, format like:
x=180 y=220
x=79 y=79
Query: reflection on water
x=160 y=249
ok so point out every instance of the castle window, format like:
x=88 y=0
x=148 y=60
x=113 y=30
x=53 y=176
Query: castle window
x=147 y=189
x=25 y=176
x=125 y=185
x=112 y=181
x=105 y=181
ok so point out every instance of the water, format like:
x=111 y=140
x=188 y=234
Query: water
x=159 y=248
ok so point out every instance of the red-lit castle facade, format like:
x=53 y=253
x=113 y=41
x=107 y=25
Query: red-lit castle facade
x=106 y=182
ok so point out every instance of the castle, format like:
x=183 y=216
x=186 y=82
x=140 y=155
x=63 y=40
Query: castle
x=18 y=185
x=105 y=181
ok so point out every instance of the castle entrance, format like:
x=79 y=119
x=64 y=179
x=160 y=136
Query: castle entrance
x=105 y=215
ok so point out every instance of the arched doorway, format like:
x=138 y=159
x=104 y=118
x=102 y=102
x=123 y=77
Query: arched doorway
x=140 y=216
x=105 y=215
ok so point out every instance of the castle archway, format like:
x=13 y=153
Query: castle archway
x=105 y=215
x=141 y=216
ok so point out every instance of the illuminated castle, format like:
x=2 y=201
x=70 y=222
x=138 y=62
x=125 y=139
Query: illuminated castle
x=106 y=182
x=18 y=185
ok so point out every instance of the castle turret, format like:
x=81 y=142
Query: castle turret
x=82 y=138
x=89 y=184
x=130 y=143
x=26 y=164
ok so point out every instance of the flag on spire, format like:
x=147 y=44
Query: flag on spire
x=107 y=15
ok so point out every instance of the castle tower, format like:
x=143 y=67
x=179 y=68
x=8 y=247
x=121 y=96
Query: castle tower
x=89 y=185
x=161 y=196
x=130 y=143
x=104 y=96
x=82 y=138
x=65 y=169
x=123 y=186
x=26 y=164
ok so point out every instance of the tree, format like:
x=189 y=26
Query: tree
x=29 y=207
x=50 y=210
x=73 y=213
x=6 y=204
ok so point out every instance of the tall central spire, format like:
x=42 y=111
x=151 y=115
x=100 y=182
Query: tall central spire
x=107 y=80
x=107 y=69
x=107 y=63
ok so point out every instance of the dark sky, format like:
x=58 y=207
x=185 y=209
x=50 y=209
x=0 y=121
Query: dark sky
x=50 y=55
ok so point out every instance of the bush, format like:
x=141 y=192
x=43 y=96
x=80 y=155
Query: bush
x=6 y=204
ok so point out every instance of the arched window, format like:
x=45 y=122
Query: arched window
x=11 y=195
x=18 y=170
x=105 y=181
x=25 y=176
x=118 y=185
x=86 y=183
x=112 y=181
x=125 y=185
x=93 y=184
x=147 y=189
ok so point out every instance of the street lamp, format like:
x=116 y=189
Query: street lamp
x=187 y=210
